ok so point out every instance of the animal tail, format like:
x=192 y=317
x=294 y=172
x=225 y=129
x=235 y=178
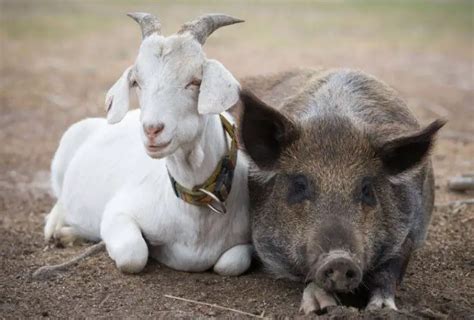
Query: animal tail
x=49 y=271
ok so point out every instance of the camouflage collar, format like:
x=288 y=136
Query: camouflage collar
x=215 y=190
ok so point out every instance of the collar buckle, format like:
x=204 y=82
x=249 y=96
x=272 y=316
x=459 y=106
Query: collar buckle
x=220 y=208
x=215 y=190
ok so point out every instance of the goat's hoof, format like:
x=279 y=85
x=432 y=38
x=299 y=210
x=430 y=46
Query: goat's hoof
x=234 y=261
x=65 y=237
x=131 y=265
x=130 y=256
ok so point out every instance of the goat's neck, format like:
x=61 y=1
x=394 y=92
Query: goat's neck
x=193 y=164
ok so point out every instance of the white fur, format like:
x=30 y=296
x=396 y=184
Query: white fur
x=110 y=186
x=234 y=260
x=217 y=89
x=163 y=71
x=117 y=100
x=54 y=221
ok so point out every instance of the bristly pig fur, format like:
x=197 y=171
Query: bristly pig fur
x=331 y=133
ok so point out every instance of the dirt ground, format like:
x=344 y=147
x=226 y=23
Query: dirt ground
x=57 y=60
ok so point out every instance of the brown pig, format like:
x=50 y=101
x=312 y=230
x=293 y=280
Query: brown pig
x=341 y=182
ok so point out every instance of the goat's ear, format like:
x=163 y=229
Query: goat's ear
x=264 y=131
x=219 y=89
x=117 y=100
x=405 y=152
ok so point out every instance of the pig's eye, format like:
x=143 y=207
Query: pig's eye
x=299 y=189
x=367 y=194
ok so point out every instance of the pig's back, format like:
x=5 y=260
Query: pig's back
x=305 y=93
x=371 y=104
x=276 y=89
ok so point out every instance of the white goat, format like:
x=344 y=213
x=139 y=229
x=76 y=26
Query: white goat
x=111 y=187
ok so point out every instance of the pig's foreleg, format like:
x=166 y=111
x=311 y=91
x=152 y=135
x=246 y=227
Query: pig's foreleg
x=383 y=282
x=315 y=299
x=382 y=299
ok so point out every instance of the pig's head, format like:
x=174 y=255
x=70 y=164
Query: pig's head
x=176 y=85
x=325 y=192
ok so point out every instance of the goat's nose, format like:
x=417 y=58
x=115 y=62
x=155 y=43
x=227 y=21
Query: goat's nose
x=152 y=130
x=339 y=273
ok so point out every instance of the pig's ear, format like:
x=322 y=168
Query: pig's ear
x=405 y=152
x=264 y=131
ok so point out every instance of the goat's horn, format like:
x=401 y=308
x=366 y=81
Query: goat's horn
x=148 y=22
x=202 y=27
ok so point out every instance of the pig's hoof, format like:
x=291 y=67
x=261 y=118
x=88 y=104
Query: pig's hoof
x=378 y=302
x=309 y=305
x=316 y=300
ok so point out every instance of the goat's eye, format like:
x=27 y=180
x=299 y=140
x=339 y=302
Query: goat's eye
x=195 y=82
x=367 y=194
x=299 y=189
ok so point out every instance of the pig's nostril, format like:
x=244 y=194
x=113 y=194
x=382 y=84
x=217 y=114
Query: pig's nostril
x=350 y=274
x=329 y=273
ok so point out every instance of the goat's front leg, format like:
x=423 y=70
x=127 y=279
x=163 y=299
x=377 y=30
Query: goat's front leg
x=124 y=242
x=235 y=260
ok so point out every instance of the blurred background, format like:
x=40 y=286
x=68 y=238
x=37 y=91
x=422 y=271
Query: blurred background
x=63 y=55
x=58 y=59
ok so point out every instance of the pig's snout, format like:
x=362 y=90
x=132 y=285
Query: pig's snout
x=338 y=272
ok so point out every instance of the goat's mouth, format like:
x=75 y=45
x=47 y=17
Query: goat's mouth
x=154 y=148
